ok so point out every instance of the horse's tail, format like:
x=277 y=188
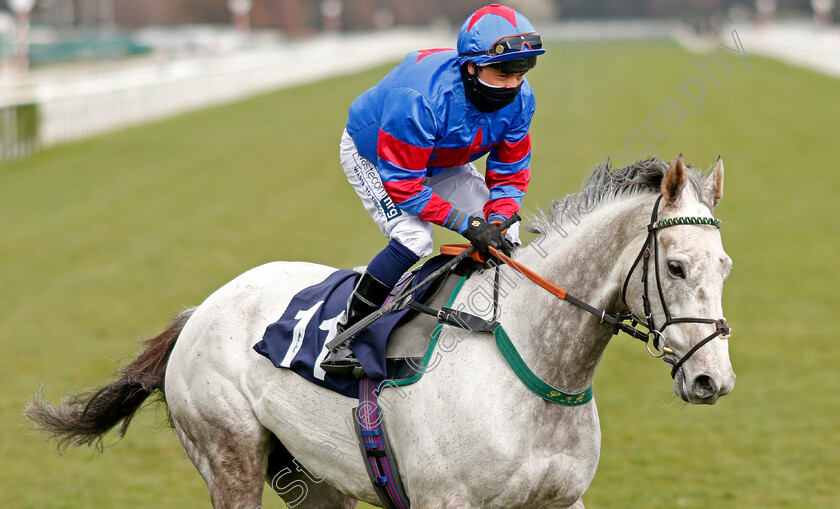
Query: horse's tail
x=85 y=418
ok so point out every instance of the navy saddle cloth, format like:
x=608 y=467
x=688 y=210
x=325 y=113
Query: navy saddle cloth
x=296 y=341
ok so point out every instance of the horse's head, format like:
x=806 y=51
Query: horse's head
x=686 y=270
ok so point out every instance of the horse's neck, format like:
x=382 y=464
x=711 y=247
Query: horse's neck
x=586 y=257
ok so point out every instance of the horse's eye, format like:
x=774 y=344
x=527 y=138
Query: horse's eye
x=676 y=269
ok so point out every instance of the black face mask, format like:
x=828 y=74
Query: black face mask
x=486 y=99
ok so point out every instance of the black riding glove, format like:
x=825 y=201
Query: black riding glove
x=483 y=234
x=507 y=247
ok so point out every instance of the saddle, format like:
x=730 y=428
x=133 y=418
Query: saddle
x=406 y=351
x=395 y=347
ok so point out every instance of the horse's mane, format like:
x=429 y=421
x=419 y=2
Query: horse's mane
x=606 y=185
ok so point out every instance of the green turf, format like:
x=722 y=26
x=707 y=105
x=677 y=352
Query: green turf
x=105 y=240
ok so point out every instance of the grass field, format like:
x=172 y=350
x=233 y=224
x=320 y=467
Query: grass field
x=103 y=241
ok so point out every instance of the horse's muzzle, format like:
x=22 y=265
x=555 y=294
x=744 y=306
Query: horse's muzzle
x=704 y=389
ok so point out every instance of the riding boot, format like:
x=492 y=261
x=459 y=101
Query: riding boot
x=366 y=298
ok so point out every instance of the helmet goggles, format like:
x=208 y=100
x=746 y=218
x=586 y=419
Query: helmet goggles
x=510 y=44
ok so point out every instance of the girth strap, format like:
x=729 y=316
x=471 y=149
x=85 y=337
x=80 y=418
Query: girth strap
x=376 y=449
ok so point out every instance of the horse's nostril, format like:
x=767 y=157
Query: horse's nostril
x=704 y=386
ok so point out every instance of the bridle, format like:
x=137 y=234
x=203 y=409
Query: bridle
x=653 y=334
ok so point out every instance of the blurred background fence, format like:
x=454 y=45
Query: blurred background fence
x=74 y=68
x=93 y=98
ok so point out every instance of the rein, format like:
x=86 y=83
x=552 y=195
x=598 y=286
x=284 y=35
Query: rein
x=618 y=319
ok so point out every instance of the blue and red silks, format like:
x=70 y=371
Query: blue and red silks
x=417 y=122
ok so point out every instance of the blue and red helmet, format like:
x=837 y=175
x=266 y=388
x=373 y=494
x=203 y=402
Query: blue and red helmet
x=496 y=34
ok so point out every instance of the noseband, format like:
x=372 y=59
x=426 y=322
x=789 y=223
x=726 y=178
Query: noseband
x=654 y=333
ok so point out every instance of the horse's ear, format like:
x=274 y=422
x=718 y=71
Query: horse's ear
x=713 y=187
x=674 y=181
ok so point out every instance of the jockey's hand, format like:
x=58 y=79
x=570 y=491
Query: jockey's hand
x=483 y=234
x=507 y=247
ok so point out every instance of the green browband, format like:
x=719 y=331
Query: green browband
x=686 y=220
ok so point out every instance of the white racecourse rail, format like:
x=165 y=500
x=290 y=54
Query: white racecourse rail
x=83 y=101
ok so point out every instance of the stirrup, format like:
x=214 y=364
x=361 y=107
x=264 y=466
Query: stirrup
x=342 y=361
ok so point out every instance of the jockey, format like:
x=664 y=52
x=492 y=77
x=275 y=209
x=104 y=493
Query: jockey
x=410 y=141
